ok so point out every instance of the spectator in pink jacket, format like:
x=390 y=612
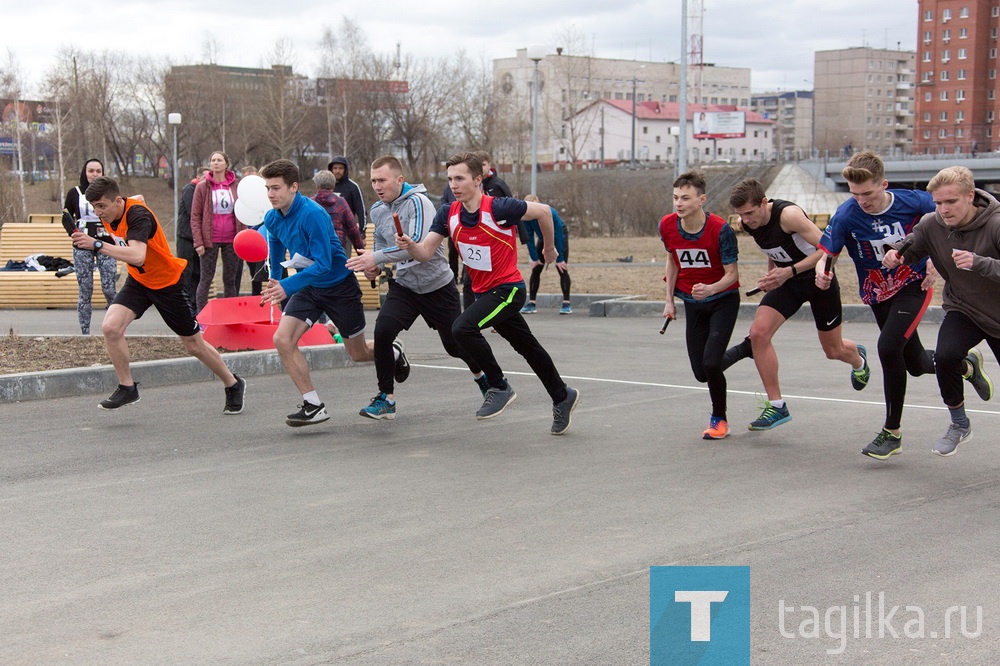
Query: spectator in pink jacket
x=214 y=226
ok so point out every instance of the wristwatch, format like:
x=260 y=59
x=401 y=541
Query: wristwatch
x=97 y=246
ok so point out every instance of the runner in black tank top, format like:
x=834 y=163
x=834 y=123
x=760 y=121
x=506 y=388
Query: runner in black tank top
x=788 y=238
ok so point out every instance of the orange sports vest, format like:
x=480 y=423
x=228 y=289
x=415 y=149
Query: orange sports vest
x=161 y=269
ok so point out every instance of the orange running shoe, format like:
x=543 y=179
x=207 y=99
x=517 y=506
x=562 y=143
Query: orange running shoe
x=717 y=429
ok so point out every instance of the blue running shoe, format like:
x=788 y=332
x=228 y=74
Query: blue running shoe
x=566 y=308
x=380 y=408
x=529 y=308
x=771 y=417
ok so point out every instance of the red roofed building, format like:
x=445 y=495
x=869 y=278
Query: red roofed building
x=656 y=133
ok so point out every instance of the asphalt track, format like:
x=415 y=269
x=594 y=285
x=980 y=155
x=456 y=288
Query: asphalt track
x=167 y=533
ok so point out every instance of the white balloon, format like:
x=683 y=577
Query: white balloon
x=247 y=215
x=252 y=192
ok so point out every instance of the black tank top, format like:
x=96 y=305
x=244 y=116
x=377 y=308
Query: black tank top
x=781 y=247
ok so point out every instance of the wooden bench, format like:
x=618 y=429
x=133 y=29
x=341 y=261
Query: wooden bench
x=30 y=289
x=45 y=218
x=370 y=298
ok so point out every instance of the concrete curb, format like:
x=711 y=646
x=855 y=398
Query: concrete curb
x=101 y=379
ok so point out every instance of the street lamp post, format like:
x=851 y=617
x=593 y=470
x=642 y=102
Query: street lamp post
x=635 y=77
x=535 y=52
x=174 y=119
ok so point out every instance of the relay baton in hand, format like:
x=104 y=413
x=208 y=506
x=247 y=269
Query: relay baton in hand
x=754 y=291
x=399 y=226
x=666 y=322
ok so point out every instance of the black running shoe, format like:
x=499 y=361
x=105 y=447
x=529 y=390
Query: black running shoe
x=308 y=414
x=235 y=395
x=123 y=395
x=402 y=370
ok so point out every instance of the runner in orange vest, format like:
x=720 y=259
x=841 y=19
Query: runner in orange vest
x=154 y=279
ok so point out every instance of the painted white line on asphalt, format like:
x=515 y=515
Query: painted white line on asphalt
x=705 y=389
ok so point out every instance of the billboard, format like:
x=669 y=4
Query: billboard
x=719 y=124
x=33 y=115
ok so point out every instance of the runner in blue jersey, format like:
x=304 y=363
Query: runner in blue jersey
x=866 y=225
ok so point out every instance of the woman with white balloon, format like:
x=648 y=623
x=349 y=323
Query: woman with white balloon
x=214 y=226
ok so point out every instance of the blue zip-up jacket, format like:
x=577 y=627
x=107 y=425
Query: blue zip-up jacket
x=305 y=230
x=535 y=236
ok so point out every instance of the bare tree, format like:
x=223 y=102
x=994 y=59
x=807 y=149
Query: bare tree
x=12 y=87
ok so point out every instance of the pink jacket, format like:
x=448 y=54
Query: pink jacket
x=201 y=211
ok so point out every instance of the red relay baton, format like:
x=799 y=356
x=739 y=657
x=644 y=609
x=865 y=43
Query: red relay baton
x=399 y=226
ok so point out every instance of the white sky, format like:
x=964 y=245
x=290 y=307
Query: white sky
x=776 y=38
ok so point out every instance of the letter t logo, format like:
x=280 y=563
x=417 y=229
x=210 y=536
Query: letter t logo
x=701 y=610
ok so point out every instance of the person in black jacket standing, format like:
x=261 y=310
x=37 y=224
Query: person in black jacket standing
x=185 y=240
x=348 y=189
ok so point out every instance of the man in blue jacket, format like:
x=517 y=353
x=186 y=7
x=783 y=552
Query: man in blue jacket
x=321 y=284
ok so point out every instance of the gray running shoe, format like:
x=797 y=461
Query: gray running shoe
x=955 y=435
x=884 y=445
x=563 y=411
x=496 y=401
x=978 y=378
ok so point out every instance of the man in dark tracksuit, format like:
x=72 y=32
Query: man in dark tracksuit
x=348 y=189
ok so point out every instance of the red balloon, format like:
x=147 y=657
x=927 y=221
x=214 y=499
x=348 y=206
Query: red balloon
x=250 y=245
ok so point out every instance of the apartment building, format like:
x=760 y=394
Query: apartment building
x=957 y=77
x=792 y=113
x=864 y=100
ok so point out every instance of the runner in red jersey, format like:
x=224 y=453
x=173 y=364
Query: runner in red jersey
x=485 y=231
x=701 y=270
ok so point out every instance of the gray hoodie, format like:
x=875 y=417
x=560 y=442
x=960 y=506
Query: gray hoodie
x=976 y=292
x=416 y=212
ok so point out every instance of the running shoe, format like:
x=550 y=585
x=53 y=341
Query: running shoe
x=380 y=408
x=884 y=445
x=562 y=412
x=860 y=377
x=123 y=395
x=308 y=414
x=235 y=395
x=566 y=308
x=955 y=435
x=529 y=308
x=496 y=401
x=977 y=377
x=717 y=429
x=771 y=417
x=402 y=370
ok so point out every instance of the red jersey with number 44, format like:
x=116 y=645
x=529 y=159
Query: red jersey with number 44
x=488 y=250
x=698 y=259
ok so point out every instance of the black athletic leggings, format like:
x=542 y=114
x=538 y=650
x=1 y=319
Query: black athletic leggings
x=536 y=276
x=899 y=348
x=957 y=335
x=500 y=308
x=709 y=326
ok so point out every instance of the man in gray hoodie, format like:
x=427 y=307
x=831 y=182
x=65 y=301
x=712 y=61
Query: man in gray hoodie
x=419 y=289
x=962 y=238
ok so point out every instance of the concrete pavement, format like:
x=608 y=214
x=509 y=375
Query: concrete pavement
x=167 y=533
